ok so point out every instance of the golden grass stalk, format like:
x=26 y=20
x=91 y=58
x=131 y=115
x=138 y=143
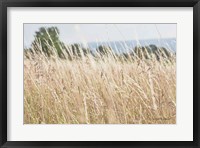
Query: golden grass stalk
x=105 y=90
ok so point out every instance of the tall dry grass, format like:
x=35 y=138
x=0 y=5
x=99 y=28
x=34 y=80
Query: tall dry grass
x=103 y=91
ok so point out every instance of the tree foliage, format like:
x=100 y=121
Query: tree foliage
x=146 y=52
x=104 y=50
x=49 y=41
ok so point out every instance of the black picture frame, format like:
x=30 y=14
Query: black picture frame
x=4 y=4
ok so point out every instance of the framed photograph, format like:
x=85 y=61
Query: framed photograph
x=100 y=74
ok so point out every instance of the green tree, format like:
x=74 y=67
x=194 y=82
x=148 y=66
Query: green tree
x=146 y=52
x=104 y=50
x=49 y=41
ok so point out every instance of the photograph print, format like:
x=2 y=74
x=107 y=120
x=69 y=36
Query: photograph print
x=100 y=73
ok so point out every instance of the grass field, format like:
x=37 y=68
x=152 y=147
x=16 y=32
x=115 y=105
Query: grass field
x=107 y=90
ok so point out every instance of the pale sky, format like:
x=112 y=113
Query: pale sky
x=76 y=33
